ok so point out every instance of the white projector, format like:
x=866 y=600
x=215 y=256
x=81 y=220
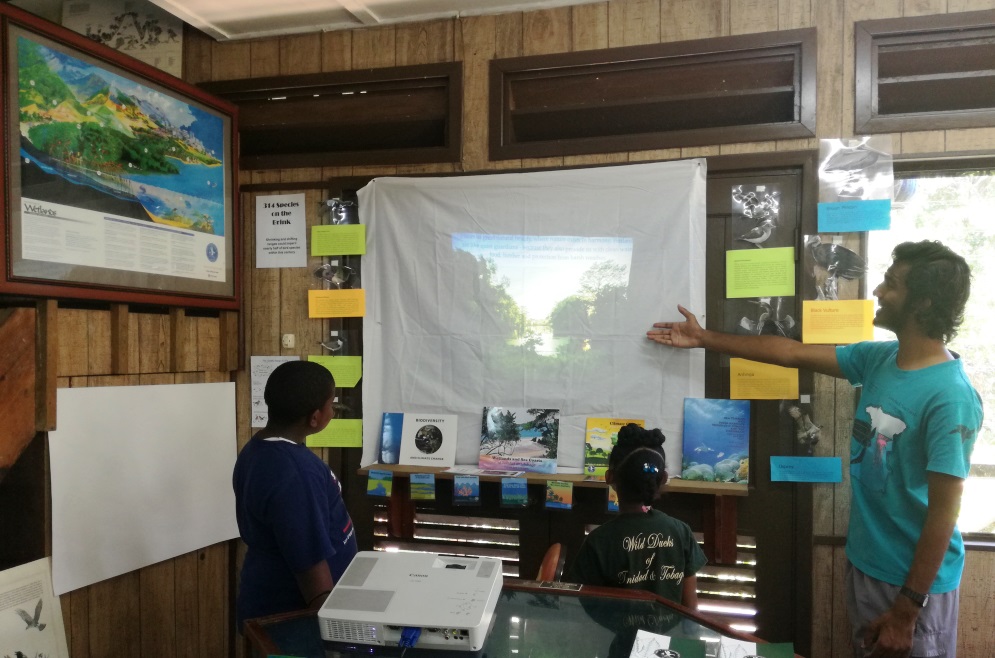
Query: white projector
x=450 y=599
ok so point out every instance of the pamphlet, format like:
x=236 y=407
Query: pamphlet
x=423 y=486
x=466 y=490
x=428 y=439
x=522 y=439
x=651 y=645
x=379 y=483
x=731 y=648
x=559 y=494
x=514 y=492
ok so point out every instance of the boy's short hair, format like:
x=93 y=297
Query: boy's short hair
x=296 y=389
x=638 y=464
x=943 y=277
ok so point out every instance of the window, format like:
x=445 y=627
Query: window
x=956 y=209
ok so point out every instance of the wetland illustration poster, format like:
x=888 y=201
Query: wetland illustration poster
x=112 y=176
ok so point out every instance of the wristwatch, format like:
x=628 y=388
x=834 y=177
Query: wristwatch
x=919 y=599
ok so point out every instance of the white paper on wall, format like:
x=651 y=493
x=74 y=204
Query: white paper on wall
x=140 y=474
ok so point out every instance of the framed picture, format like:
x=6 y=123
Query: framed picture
x=120 y=180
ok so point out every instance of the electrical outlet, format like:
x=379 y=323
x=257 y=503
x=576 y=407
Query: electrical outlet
x=288 y=341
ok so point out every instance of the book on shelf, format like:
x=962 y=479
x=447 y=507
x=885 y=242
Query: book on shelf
x=716 y=440
x=519 y=439
x=428 y=439
x=600 y=438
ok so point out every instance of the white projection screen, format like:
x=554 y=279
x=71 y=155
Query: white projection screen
x=533 y=290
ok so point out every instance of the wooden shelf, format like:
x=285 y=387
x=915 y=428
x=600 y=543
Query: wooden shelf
x=674 y=485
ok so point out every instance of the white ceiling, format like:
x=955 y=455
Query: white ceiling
x=245 y=19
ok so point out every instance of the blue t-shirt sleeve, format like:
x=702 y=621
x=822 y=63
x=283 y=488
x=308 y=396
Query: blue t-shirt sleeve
x=852 y=360
x=297 y=511
x=951 y=430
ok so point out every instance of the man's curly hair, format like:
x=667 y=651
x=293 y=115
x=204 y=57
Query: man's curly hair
x=941 y=276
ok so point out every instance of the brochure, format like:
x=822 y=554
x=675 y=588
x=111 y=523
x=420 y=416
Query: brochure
x=716 y=440
x=602 y=434
x=428 y=440
x=513 y=438
x=514 y=492
x=423 y=486
x=466 y=490
x=651 y=645
x=731 y=648
x=379 y=483
x=559 y=494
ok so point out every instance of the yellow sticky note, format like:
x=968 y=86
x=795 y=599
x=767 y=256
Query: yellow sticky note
x=338 y=240
x=346 y=370
x=336 y=303
x=837 y=322
x=751 y=380
x=760 y=272
x=340 y=433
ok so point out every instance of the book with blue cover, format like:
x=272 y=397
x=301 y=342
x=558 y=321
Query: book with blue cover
x=716 y=440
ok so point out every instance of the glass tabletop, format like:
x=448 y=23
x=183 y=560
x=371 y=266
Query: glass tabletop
x=534 y=621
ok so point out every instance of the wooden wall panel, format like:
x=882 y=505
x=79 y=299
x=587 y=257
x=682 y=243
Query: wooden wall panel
x=923 y=7
x=976 y=634
x=74 y=346
x=589 y=27
x=749 y=16
x=374 y=48
x=300 y=54
x=633 y=22
x=425 y=43
x=336 y=51
x=475 y=46
x=264 y=59
x=682 y=20
x=793 y=14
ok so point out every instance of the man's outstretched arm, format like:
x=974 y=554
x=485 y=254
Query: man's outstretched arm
x=775 y=350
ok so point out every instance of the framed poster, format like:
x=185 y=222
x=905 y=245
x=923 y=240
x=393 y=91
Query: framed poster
x=120 y=180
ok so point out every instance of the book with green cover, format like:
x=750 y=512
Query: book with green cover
x=601 y=436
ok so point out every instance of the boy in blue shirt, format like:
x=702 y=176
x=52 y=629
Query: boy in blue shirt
x=288 y=503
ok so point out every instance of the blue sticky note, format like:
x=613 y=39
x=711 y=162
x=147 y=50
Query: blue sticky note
x=806 y=469
x=846 y=216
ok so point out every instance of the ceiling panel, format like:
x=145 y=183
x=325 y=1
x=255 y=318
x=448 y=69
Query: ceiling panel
x=244 y=19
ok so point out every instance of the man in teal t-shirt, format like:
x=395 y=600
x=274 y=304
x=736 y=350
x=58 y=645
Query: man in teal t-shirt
x=913 y=433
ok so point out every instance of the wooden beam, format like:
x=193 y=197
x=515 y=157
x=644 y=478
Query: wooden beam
x=18 y=395
x=120 y=339
x=46 y=350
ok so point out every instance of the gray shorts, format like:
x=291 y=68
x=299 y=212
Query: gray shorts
x=936 y=628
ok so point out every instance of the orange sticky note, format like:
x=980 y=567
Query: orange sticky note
x=751 y=380
x=837 y=322
x=336 y=303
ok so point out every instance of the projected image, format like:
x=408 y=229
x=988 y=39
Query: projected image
x=548 y=295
